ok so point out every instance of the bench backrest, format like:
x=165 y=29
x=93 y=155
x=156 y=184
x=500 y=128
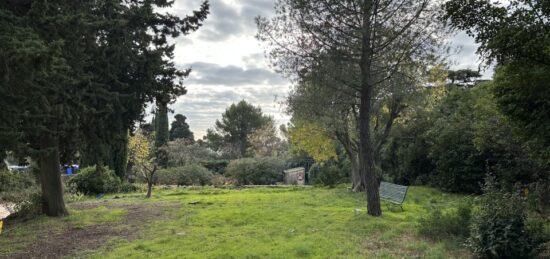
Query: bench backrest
x=393 y=192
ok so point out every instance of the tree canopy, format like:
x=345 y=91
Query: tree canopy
x=180 y=129
x=77 y=75
x=238 y=122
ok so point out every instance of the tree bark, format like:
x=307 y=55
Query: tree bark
x=50 y=177
x=150 y=180
x=366 y=149
x=368 y=174
x=356 y=181
x=357 y=184
x=149 y=188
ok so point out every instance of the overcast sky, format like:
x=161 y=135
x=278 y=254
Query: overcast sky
x=228 y=63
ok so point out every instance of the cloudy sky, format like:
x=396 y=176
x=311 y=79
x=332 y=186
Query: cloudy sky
x=228 y=63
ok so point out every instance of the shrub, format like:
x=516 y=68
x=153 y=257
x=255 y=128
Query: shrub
x=216 y=166
x=21 y=189
x=192 y=174
x=446 y=224
x=90 y=182
x=329 y=174
x=499 y=228
x=127 y=187
x=261 y=170
x=15 y=181
x=459 y=165
x=218 y=180
x=28 y=207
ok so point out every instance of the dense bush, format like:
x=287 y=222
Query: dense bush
x=447 y=224
x=192 y=174
x=183 y=152
x=216 y=166
x=89 y=181
x=262 y=170
x=21 y=189
x=500 y=228
x=459 y=166
x=404 y=159
x=15 y=181
x=329 y=174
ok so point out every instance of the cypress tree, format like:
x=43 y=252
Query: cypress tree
x=79 y=74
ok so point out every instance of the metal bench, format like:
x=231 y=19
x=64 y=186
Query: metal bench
x=393 y=193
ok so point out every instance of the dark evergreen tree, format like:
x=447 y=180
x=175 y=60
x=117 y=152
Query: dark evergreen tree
x=180 y=129
x=79 y=74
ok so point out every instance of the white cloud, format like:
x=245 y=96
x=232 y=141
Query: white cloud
x=229 y=65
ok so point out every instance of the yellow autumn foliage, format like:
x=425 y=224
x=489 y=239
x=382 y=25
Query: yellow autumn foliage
x=312 y=138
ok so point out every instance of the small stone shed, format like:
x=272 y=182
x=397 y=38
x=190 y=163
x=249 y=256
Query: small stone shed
x=295 y=176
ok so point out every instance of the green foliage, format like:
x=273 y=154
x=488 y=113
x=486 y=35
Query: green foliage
x=183 y=152
x=161 y=133
x=15 y=181
x=404 y=158
x=453 y=223
x=500 y=228
x=463 y=76
x=507 y=153
x=259 y=171
x=521 y=92
x=66 y=87
x=238 y=122
x=216 y=166
x=91 y=181
x=508 y=32
x=21 y=189
x=330 y=173
x=313 y=139
x=459 y=166
x=517 y=36
x=180 y=129
x=192 y=174
x=119 y=155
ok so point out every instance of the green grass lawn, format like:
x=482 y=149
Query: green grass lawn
x=247 y=223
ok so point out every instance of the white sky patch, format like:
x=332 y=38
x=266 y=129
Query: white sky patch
x=229 y=65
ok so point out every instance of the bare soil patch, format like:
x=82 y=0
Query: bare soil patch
x=71 y=239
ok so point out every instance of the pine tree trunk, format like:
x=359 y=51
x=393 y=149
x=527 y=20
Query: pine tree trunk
x=366 y=149
x=50 y=177
x=368 y=174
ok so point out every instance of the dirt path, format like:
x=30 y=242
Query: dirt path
x=73 y=239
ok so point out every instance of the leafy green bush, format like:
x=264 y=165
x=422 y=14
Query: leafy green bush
x=459 y=166
x=90 y=182
x=329 y=174
x=500 y=228
x=192 y=174
x=13 y=181
x=260 y=171
x=127 y=187
x=28 y=207
x=216 y=166
x=21 y=189
x=447 y=224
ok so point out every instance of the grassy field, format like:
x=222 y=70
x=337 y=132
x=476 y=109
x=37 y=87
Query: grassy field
x=224 y=223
